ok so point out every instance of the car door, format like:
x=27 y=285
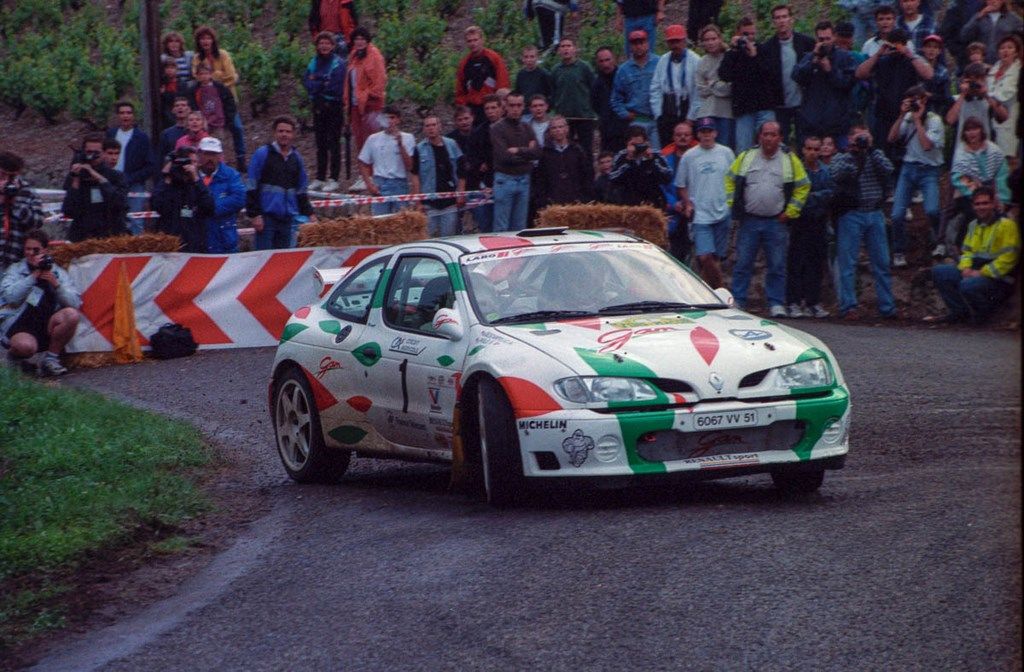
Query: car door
x=419 y=369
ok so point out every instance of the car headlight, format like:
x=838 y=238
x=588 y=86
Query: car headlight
x=810 y=373
x=589 y=389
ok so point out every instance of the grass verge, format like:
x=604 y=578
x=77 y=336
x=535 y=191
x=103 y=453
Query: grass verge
x=81 y=475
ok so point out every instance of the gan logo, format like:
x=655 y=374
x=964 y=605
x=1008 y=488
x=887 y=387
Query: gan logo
x=326 y=364
x=578 y=446
x=435 y=399
x=444 y=319
x=614 y=340
x=751 y=334
x=407 y=345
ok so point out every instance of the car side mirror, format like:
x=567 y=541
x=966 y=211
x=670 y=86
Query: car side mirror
x=725 y=296
x=447 y=323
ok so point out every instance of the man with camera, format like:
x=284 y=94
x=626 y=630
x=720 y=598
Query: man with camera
x=862 y=177
x=922 y=135
x=893 y=69
x=974 y=101
x=95 y=195
x=639 y=171
x=20 y=209
x=753 y=99
x=45 y=304
x=826 y=77
x=183 y=200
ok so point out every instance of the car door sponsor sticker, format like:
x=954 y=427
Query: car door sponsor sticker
x=407 y=345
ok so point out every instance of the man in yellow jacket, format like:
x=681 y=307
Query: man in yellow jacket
x=984 y=276
x=766 y=187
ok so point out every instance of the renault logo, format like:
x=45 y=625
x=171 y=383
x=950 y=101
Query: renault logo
x=716 y=381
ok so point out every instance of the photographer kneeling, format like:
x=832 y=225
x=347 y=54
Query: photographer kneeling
x=183 y=200
x=45 y=306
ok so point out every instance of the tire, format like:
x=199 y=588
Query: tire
x=300 y=440
x=794 y=482
x=504 y=482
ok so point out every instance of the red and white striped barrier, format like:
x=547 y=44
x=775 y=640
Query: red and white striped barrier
x=228 y=301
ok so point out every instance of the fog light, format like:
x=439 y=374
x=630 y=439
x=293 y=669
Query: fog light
x=834 y=432
x=607 y=448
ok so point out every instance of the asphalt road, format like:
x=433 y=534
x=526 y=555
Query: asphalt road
x=909 y=559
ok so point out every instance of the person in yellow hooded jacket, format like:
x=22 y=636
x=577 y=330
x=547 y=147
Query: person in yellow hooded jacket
x=766 y=187
x=983 y=278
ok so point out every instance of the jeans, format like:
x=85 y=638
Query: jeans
x=136 y=204
x=808 y=251
x=389 y=186
x=914 y=176
x=483 y=216
x=276 y=233
x=444 y=222
x=747 y=125
x=646 y=23
x=969 y=298
x=327 y=129
x=726 y=132
x=771 y=235
x=511 y=201
x=238 y=138
x=869 y=225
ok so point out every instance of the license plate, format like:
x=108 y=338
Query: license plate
x=725 y=420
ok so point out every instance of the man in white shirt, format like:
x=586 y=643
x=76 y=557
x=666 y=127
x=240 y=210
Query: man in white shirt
x=385 y=161
x=700 y=182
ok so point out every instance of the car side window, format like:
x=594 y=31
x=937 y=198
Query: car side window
x=419 y=287
x=351 y=299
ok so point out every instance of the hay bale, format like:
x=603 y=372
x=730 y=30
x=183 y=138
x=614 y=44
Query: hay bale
x=403 y=227
x=147 y=242
x=645 y=221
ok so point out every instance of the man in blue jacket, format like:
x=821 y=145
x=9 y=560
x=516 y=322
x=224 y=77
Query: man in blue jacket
x=276 y=197
x=137 y=161
x=826 y=77
x=228 y=192
x=631 y=90
x=324 y=80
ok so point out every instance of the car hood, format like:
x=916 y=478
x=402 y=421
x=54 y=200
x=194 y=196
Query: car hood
x=687 y=347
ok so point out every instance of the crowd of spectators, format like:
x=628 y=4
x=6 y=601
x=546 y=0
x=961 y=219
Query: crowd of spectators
x=799 y=139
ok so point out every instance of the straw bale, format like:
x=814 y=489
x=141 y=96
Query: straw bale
x=403 y=227
x=147 y=242
x=645 y=221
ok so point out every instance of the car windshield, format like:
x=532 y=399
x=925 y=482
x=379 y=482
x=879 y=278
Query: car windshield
x=538 y=283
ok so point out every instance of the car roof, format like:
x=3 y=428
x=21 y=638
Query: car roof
x=530 y=237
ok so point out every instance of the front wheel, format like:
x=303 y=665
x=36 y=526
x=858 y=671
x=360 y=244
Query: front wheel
x=300 y=441
x=796 y=482
x=504 y=482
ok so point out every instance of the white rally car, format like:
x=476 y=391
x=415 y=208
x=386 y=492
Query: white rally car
x=551 y=354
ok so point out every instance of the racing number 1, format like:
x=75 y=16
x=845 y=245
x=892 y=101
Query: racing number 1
x=404 y=367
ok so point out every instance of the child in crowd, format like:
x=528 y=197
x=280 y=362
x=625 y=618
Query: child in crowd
x=605 y=191
x=213 y=99
x=168 y=90
x=196 y=126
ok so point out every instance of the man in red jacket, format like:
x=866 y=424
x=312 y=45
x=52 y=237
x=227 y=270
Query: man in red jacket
x=481 y=72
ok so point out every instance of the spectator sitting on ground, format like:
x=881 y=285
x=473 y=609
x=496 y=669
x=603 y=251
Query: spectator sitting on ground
x=367 y=76
x=195 y=131
x=631 y=91
x=224 y=72
x=639 y=171
x=438 y=166
x=45 y=304
x=324 y=81
x=228 y=192
x=95 y=195
x=983 y=278
x=169 y=137
x=481 y=72
x=136 y=161
x=531 y=78
x=385 y=161
x=977 y=162
x=674 y=84
x=276 y=196
x=1003 y=84
x=976 y=101
x=714 y=95
x=20 y=209
x=606 y=191
x=182 y=200
x=993 y=22
x=213 y=99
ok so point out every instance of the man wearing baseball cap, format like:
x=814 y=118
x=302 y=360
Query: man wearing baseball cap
x=631 y=89
x=940 y=100
x=674 y=85
x=228 y=191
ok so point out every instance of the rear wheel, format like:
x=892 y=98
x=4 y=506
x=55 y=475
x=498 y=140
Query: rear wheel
x=504 y=482
x=300 y=441
x=798 y=482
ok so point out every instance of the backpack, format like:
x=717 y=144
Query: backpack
x=172 y=340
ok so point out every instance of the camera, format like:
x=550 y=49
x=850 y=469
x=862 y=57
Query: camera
x=641 y=148
x=741 y=43
x=862 y=142
x=974 y=86
x=10 y=189
x=82 y=156
x=177 y=161
x=824 y=51
x=915 y=106
x=46 y=263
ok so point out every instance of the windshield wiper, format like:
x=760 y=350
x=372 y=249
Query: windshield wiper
x=542 y=315
x=658 y=306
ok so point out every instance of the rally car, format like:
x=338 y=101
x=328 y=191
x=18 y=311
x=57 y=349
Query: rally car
x=588 y=356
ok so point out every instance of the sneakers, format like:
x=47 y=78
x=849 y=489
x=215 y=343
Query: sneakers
x=899 y=260
x=817 y=311
x=795 y=310
x=50 y=365
x=316 y=185
x=908 y=216
x=917 y=198
x=330 y=185
x=939 y=251
x=778 y=311
x=358 y=185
